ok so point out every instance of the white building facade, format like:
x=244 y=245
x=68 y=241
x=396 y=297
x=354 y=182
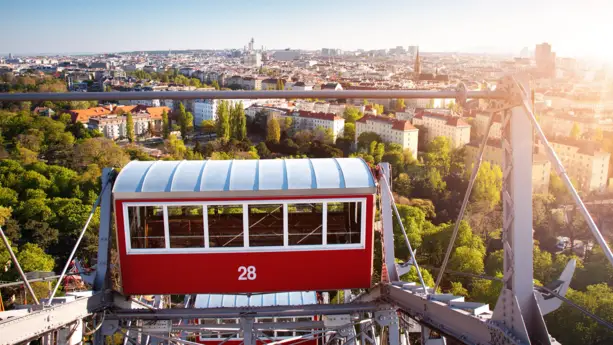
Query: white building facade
x=452 y=127
x=390 y=130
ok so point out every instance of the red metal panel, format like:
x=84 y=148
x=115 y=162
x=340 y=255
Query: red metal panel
x=218 y=272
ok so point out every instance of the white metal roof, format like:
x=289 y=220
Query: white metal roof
x=221 y=177
x=262 y=300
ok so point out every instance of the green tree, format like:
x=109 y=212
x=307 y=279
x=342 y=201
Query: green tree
x=223 y=120
x=487 y=185
x=402 y=185
x=195 y=82
x=207 y=126
x=366 y=138
x=5 y=215
x=102 y=152
x=598 y=135
x=457 y=289
x=379 y=152
x=570 y=326
x=438 y=155
x=351 y=114
x=575 y=132
x=287 y=124
x=378 y=108
x=400 y=104
x=175 y=147
x=349 y=131
x=33 y=258
x=273 y=133
x=466 y=259
x=263 y=150
x=280 y=85
x=215 y=84
x=413 y=277
x=165 y=125
x=130 y=127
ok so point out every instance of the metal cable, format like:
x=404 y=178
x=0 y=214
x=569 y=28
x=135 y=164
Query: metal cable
x=471 y=182
x=16 y=262
x=21 y=282
x=406 y=238
x=74 y=249
x=557 y=164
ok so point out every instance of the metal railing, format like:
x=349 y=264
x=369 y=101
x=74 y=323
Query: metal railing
x=181 y=95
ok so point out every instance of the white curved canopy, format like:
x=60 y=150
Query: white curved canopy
x=264 y=177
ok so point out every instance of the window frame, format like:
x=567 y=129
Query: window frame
x=245 y=248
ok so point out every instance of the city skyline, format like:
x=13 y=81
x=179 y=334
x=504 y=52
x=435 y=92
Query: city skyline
x=474 y=26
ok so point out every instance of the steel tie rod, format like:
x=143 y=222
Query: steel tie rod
x=473 y=178
x=557 y=164
x=76 y=246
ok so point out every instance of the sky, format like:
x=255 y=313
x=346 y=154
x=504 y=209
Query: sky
x=577 y=28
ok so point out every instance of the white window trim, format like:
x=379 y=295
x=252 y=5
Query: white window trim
x=245 y=249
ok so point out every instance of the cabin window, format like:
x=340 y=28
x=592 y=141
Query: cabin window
x=225 y=225
x=185 y=226
x=146 y=224
x=344 y=222
x=202 y=226
x=305 y=224
x=265 y=225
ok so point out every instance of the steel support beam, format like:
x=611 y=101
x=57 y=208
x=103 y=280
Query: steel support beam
x=387 y=221
x=37 y=323
x=277 y=311
x=450 y=322
x=102 y=277
x=345 y=94
x=517 y=309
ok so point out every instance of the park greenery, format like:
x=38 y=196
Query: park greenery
x=50 y=172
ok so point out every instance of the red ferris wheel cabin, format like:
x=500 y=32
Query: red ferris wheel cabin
x=244 y=226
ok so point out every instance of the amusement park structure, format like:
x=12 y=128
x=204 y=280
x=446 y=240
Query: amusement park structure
x=248 y=243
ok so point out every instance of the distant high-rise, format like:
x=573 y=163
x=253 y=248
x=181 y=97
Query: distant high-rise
x=251 y=44
x=413 y=50
x=545 y=60
x=10 y=55
x=417 y=66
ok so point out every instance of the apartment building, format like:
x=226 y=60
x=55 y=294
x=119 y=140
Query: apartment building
x=541 y=166
x=306 y=120
x=114 y=126
x=585 y=162
x=481 y=121
x=561 y=124
x=206 y=109
x=391 y=130
x=438 y=125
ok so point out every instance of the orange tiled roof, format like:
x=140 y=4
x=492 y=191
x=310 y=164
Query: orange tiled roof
x=156 y=112
x=83 y=115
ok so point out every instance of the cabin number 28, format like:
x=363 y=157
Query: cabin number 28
x=246 y=273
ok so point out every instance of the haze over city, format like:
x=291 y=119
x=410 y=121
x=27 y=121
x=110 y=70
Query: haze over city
x=575 y=28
